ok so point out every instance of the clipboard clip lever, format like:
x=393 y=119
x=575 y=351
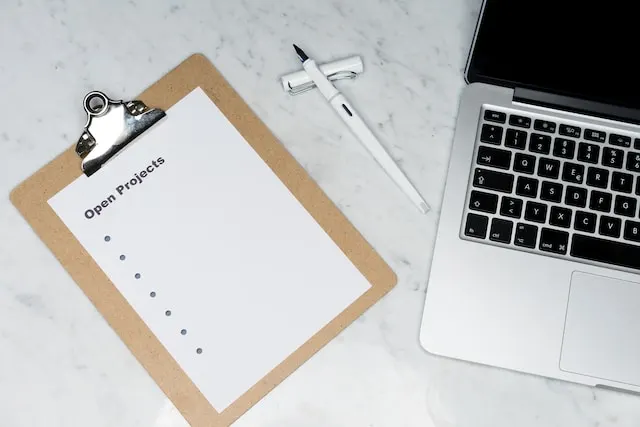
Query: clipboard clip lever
x=305 y=87
x=111 y=126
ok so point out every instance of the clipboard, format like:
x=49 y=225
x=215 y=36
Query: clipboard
x=31 y=199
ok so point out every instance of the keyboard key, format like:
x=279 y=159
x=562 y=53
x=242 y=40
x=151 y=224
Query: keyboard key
x=610 y=226
x=633 y=161
x=568 y=130
x=484 y=202
x=551 y=191
x=524 y=163
x=573 y=173
x=612 y=157
x=476 y=226
x=606 y=251
x=585 y=221
x=625 y=206
x=501 y=230
x=544 y=126
x=492 y=180
x=600 y=201
x=495 y=116
x=597 y=177
x=576 y=196
x=636 y=143
x=540 y=143
x=548 y=168
x=595 y=135
x=588 y=153
x=491 y=134
x=622 y=182
x=554 y=241
x=516 y=139
x=620 y=140
x=526 y=236
x=511 y=207
x=638 y=186
x=495 y=157
x=565 y=148
x=520 y=121
x=527 y=187
x=536 y=212
x=632 y=231
x=560 y=217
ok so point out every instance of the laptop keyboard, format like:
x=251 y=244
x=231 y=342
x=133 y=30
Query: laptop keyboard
x=553 y=188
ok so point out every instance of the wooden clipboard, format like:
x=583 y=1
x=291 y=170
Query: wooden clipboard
x=31 y=198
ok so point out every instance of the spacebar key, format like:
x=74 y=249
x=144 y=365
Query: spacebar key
x=606 y=251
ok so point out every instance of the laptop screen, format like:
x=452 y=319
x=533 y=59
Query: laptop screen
x=588 y=50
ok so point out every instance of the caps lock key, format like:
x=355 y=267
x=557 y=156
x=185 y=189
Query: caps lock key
x=492 y=180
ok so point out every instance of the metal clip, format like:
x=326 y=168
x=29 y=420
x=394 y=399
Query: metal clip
x=299 y=81
x=111 y=126
x=305 y=87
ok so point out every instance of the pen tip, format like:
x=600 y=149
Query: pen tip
x=303 y=56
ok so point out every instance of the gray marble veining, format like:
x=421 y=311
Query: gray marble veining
x=62 y=366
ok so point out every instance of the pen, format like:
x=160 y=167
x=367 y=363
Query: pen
x=360 y=129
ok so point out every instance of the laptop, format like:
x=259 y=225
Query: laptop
x=536 y=265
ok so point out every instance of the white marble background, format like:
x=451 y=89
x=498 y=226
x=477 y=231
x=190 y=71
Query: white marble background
x=62 y=366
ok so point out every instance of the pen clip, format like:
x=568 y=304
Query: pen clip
x=340 y=75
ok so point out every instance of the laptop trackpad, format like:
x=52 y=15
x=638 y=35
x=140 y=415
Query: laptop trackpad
x=602 y=329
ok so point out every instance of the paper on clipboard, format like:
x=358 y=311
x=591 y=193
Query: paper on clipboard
x=214 y=253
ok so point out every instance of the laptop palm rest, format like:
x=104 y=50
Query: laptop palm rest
x=602 y=329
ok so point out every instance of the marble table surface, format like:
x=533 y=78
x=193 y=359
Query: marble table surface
x=62 y=366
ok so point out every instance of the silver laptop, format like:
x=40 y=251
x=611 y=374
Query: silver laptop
x=536 y=265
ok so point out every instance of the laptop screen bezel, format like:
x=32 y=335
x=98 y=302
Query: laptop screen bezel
x=472 y=75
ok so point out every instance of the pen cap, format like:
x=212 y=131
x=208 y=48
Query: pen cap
x=299 y=81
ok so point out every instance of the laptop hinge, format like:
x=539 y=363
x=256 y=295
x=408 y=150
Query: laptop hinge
x=576 y=105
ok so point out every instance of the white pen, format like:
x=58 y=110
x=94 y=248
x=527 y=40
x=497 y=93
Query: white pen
x=360 y=129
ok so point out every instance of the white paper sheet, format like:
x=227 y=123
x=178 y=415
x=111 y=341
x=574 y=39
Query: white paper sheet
x=236 y=266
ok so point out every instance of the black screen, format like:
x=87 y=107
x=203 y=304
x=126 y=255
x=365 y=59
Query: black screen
x=585 y=49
